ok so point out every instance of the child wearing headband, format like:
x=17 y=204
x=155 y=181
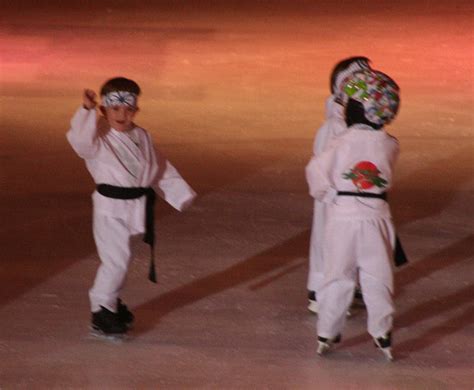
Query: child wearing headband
x=128 y=172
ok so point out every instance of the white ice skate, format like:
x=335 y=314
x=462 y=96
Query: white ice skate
x=325 y=344
x=313 y=305
x=115 y=338
x=384 y=343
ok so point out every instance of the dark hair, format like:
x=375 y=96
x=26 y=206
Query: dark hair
x=120 y=84
x=343 y=65
x=355 y=114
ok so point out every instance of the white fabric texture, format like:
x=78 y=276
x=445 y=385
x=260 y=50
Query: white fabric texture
x=358 y=234
x=125 y=159
x=364 y=248
x=113 y=158
x=325 y=173
x=333 y=127
x=112 y=239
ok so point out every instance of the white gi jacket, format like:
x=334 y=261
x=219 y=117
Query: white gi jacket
x=359 y=233
x=334 y=126
x=336 y=169
x=125 y=160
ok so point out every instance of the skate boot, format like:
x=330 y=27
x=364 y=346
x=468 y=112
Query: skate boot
x=325 y=344
x=384 y=343
x=313 y=305
x=108 y=323
x=124 y=315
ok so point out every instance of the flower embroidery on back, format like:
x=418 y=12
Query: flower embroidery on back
x=365 y=175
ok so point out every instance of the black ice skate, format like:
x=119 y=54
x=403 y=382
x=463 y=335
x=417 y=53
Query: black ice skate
x=313 y=305
x=107 y=323
x=124 y=315
x=384 y=343
x=325 y=344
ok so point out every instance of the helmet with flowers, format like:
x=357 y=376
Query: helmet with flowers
x=378 y=94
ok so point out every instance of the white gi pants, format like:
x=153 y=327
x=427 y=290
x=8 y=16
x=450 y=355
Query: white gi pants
x=351 y=247
x=112 y=238
x=315 y=275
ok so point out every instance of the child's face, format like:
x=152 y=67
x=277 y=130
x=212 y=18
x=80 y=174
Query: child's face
x=120 y=117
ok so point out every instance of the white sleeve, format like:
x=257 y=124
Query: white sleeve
x=318 y=178
x=83 y=135
x=330 y=107
x=170 y=186
x=321 y=138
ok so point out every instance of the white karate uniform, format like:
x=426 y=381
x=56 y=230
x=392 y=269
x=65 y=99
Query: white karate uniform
x=125 y=159
x=333 y=127
x=359 y=236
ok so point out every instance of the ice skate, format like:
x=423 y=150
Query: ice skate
x=313 y=305
x=106 y=324
x=124 y=315
x=325 y=344
x=385 y=345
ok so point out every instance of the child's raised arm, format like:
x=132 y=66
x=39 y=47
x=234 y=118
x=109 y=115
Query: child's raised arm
x=83 y=135
x=89 y=99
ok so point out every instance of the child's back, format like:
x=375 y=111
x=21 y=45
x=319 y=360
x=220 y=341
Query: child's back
x=352 y=176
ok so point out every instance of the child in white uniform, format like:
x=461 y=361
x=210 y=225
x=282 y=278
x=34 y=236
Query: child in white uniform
x=333 y=127
x=352 y=176
x=128 y=171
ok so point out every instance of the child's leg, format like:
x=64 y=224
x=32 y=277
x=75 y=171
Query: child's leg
x=339 y=278
x=315 y=275
x=378 y=300
x=376 y=277
x=112 y=238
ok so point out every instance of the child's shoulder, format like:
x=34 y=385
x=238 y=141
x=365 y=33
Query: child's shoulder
x=143 y=134
x=391 y=138
x=141 y=131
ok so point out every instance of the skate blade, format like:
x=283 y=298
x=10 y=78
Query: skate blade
x=387 y=353
x=117 y=338
x=313 y=307
x=323 y=348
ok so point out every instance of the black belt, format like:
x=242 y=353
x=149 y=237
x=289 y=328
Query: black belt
x=383 y=195
x=399 y=256
x=116 y=192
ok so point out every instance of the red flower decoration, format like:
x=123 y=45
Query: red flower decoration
x=365 y=175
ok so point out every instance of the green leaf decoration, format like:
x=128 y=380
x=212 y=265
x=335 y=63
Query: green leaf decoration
x=379 y=182
x=349 y=176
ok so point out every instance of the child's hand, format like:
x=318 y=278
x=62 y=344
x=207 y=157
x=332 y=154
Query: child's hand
x=88 y=99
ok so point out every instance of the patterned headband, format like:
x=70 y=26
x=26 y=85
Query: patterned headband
x=120 y=98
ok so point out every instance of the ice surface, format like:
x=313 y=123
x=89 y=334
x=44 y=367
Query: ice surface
x=233 y=93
